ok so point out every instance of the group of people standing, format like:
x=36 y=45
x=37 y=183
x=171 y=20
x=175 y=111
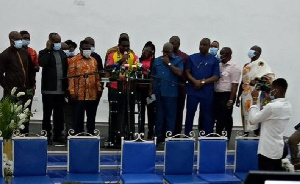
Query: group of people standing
x=71 y=85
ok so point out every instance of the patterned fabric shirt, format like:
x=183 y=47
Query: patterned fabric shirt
x=84 y=88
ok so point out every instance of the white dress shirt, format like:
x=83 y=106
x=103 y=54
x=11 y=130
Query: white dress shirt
x=273 y=118
x=230 y=73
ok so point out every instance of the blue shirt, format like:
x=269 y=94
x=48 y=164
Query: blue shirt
x=202 y=67
x=165 y=82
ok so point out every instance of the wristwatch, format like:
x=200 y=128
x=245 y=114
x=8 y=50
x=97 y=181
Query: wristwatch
x=203 y=82
x=169 y=64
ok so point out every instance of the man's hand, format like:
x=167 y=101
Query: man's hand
x=125 y=57
x=198 y=84
x=73 y=97
x=49 y=45
x=229 y=104
x=166 y=59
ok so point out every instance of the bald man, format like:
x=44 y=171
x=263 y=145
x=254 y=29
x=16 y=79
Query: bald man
x=166 y=70
x=17 y=70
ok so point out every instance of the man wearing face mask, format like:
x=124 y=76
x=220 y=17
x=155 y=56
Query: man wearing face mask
x=214 y=48
x=99 y=62
x=84 y=89
x=273 y=118
x=70 y=52
x=17 y=70
x=202 y=71
x=225 y=92
x=25 y=42
x=54 y=65
x=256 y=68
x=166 y=71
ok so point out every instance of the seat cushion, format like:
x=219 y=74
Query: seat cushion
x=84 y=178
x=219 y=178
x=241 y=175
x=184 y=179
x=141 y=179
x=32 y=180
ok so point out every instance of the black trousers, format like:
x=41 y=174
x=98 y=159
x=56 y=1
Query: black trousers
x=142 y=95
x=53 y=103
x=267 y=164
x=223 y=114
x=90 y=108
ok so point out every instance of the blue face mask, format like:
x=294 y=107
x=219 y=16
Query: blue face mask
x=25 y=42
x=72 y=54
x=93 y=49
x=251 y=53
x=67 y=52
x=213 y=51
x=18 y=44
x=56 y=46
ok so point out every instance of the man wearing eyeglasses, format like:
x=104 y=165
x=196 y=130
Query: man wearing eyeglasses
x=166 y=70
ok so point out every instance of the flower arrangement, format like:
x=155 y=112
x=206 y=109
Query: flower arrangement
x=13 y=113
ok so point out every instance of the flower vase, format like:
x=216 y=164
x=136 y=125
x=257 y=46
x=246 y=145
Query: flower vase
x=7 y=148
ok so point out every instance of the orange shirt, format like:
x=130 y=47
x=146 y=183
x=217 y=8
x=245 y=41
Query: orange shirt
x=84 y=88
x=34 y=56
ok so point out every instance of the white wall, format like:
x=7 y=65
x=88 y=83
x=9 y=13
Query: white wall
x=272 y=24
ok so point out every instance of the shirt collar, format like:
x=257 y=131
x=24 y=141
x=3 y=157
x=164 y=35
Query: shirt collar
x=228 y=63
x=279 y=100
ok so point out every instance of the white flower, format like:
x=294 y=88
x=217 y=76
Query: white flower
x=27 y=103
x=26 y=110
x=4 y=156
x=20 y=94
x=18 y=109
x=22 y=116
x=21 y=121
x=22 y=127
x=13 y=91
x=11 y=125
x=12 y=121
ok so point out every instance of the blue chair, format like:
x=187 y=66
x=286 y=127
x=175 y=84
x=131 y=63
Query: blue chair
x=212 y=155
x=30 y=160
x=245 y=156
x=179 y=161
x=84 y=159
x=138 y=162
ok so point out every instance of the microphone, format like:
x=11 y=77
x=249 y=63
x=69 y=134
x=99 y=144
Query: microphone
x=126 y=53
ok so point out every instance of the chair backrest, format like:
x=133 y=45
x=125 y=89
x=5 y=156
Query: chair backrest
x=212 y=153
x=84 y=154
x=138 y=157
x=246 y=154
x=30 y=156
x=179 y=156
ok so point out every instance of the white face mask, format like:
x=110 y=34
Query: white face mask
x=86 y=53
